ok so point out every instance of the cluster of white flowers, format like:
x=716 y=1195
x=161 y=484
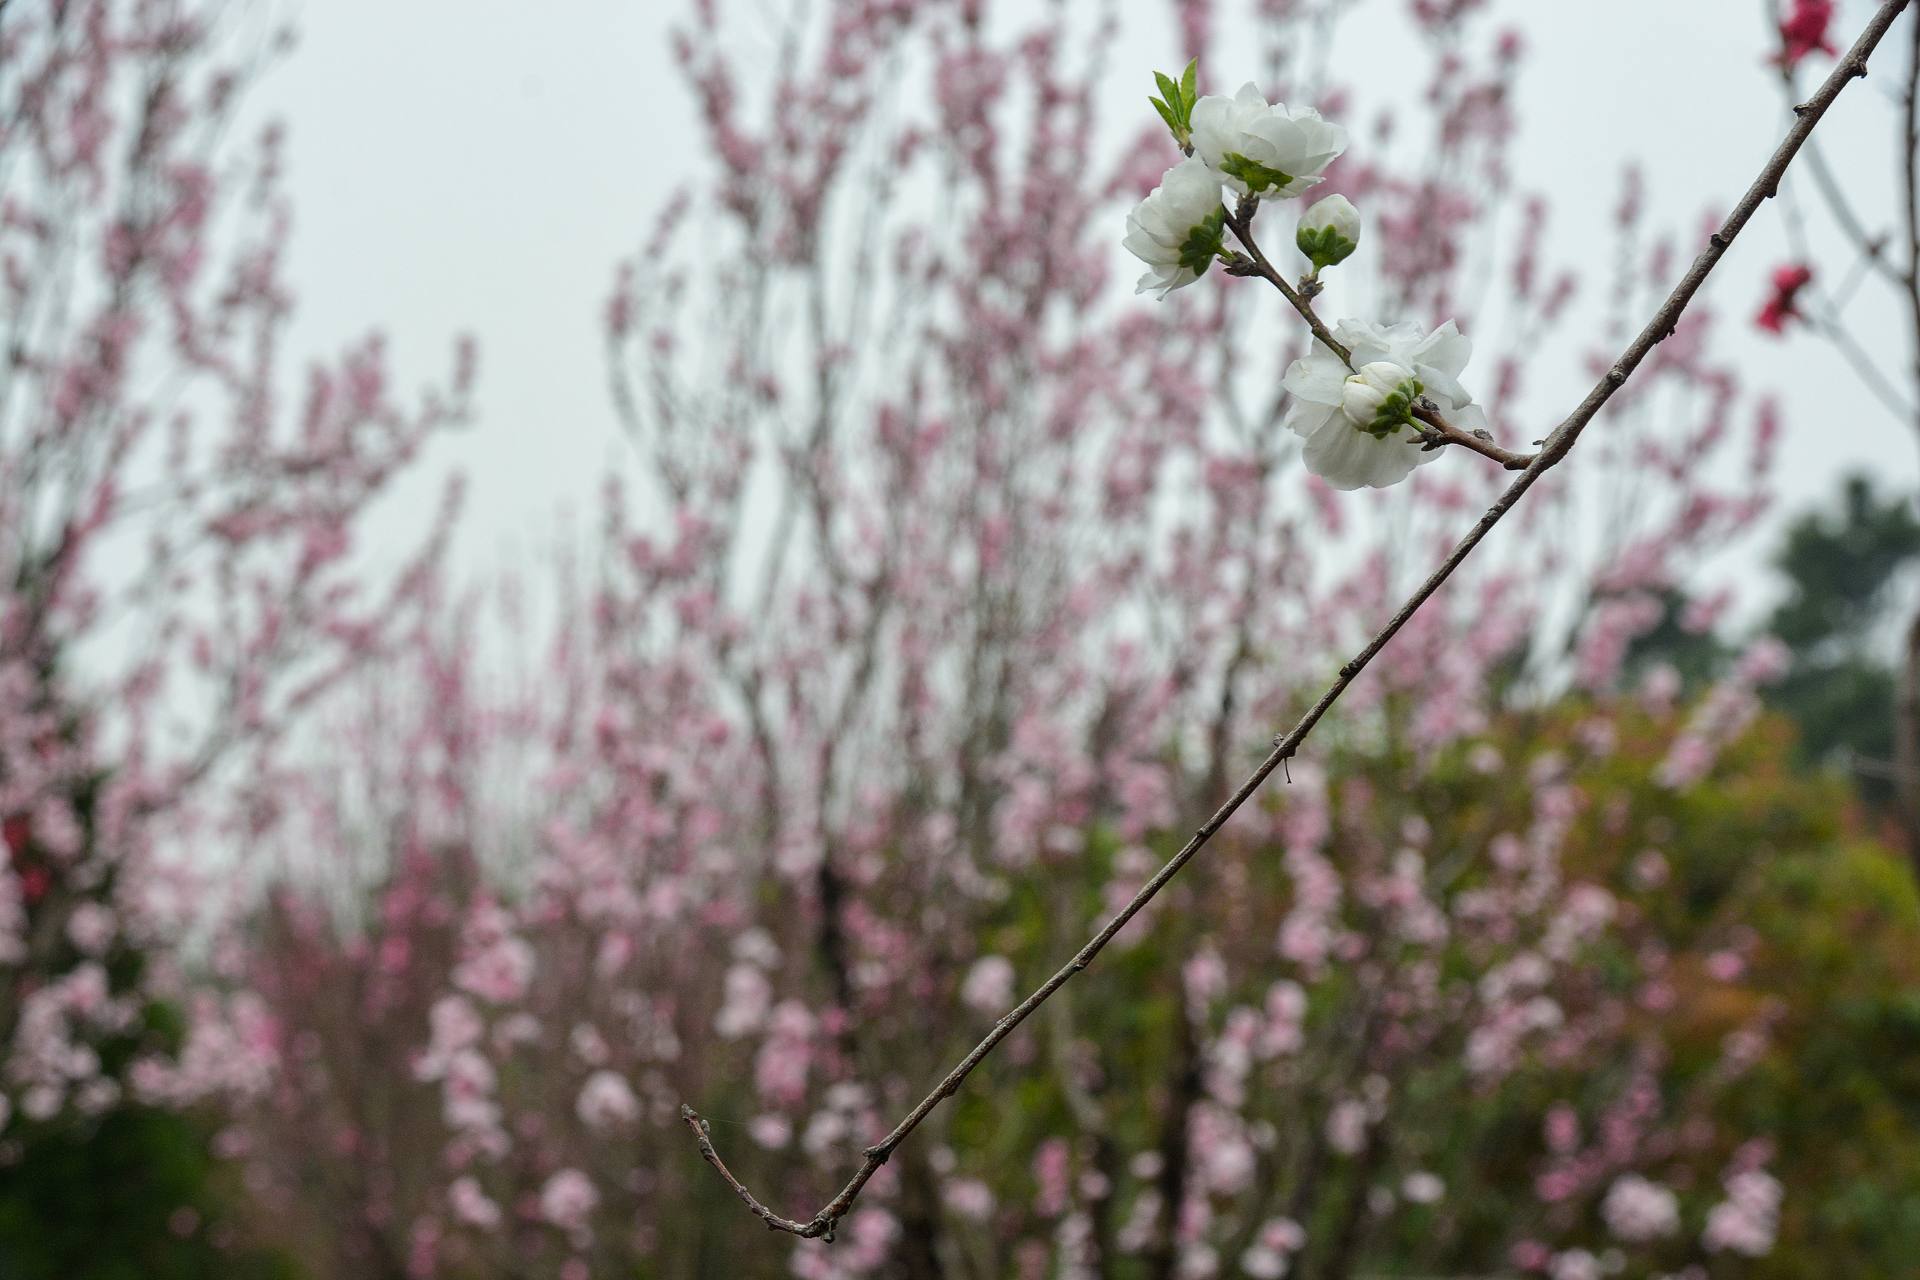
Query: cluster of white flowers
x=1246 y=144
x=1356 y=414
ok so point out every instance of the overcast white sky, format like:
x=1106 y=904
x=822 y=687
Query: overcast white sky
x=481 y=165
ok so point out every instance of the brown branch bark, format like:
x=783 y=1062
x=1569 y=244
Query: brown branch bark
x=1906 y=745
x=1906 y=712
x=1850 y=67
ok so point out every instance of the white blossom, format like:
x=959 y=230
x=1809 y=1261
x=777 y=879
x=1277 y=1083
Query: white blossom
x=1358 y=425
x=1176 y=230
x=988 y=986
x=568 y=1200
x=1747 y=1221
x=1328 y=232
x=606 y=1100
x=1637 y=1209
x=1574 y=1264
x=1423 y=1187
x=1264 y=150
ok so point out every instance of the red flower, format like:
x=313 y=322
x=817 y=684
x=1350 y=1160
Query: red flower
x=1788 y=281
x=1804 y=30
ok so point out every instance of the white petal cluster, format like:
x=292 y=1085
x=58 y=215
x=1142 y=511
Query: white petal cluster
x=1268 y=150
x=1176 y=230
x=1355 y=424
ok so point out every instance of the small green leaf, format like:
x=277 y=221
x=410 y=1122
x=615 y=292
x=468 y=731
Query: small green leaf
x=1189 y=90
x=1257 y=176
x=1169 y=91
x=1167 y=114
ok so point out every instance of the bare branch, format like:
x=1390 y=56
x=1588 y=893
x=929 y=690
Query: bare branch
x=1808 y=114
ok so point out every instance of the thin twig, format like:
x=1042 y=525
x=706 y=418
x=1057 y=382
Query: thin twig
x=1439 y=431
x=1836 y=332
x=1850 y=67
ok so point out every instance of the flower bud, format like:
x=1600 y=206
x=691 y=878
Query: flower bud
x=1379 y=398
x=1329 y=232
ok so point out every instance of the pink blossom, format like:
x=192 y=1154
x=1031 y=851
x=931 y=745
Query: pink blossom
x=568 y=1199
x=606 y=1100
x=988 y=987
x=1637 y=1210
x=1782 y=302
x=970 y=1198
x=1748 y=1220
x=1803 y=31
x=1346 y=1126
x=470 y=1204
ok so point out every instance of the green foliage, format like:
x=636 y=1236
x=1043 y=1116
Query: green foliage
x=1840 y=1092
x=1840 y=566
x=129 y=1197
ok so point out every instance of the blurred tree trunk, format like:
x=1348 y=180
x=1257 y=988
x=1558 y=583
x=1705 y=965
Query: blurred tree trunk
x=1906 y=744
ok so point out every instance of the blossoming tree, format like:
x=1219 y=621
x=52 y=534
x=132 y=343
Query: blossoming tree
x=947 y=591
x=176 y=581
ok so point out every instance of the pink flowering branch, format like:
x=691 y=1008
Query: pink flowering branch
x=1556 y=446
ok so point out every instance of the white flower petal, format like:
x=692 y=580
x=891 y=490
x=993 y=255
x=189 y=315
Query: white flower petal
x=1295 y=141
x=1440 y=385
x=1348 y=458
x=1316 y=378
x=1305 y=418
x=1446 y=349
x=1341 y=455
x=1368 y=341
